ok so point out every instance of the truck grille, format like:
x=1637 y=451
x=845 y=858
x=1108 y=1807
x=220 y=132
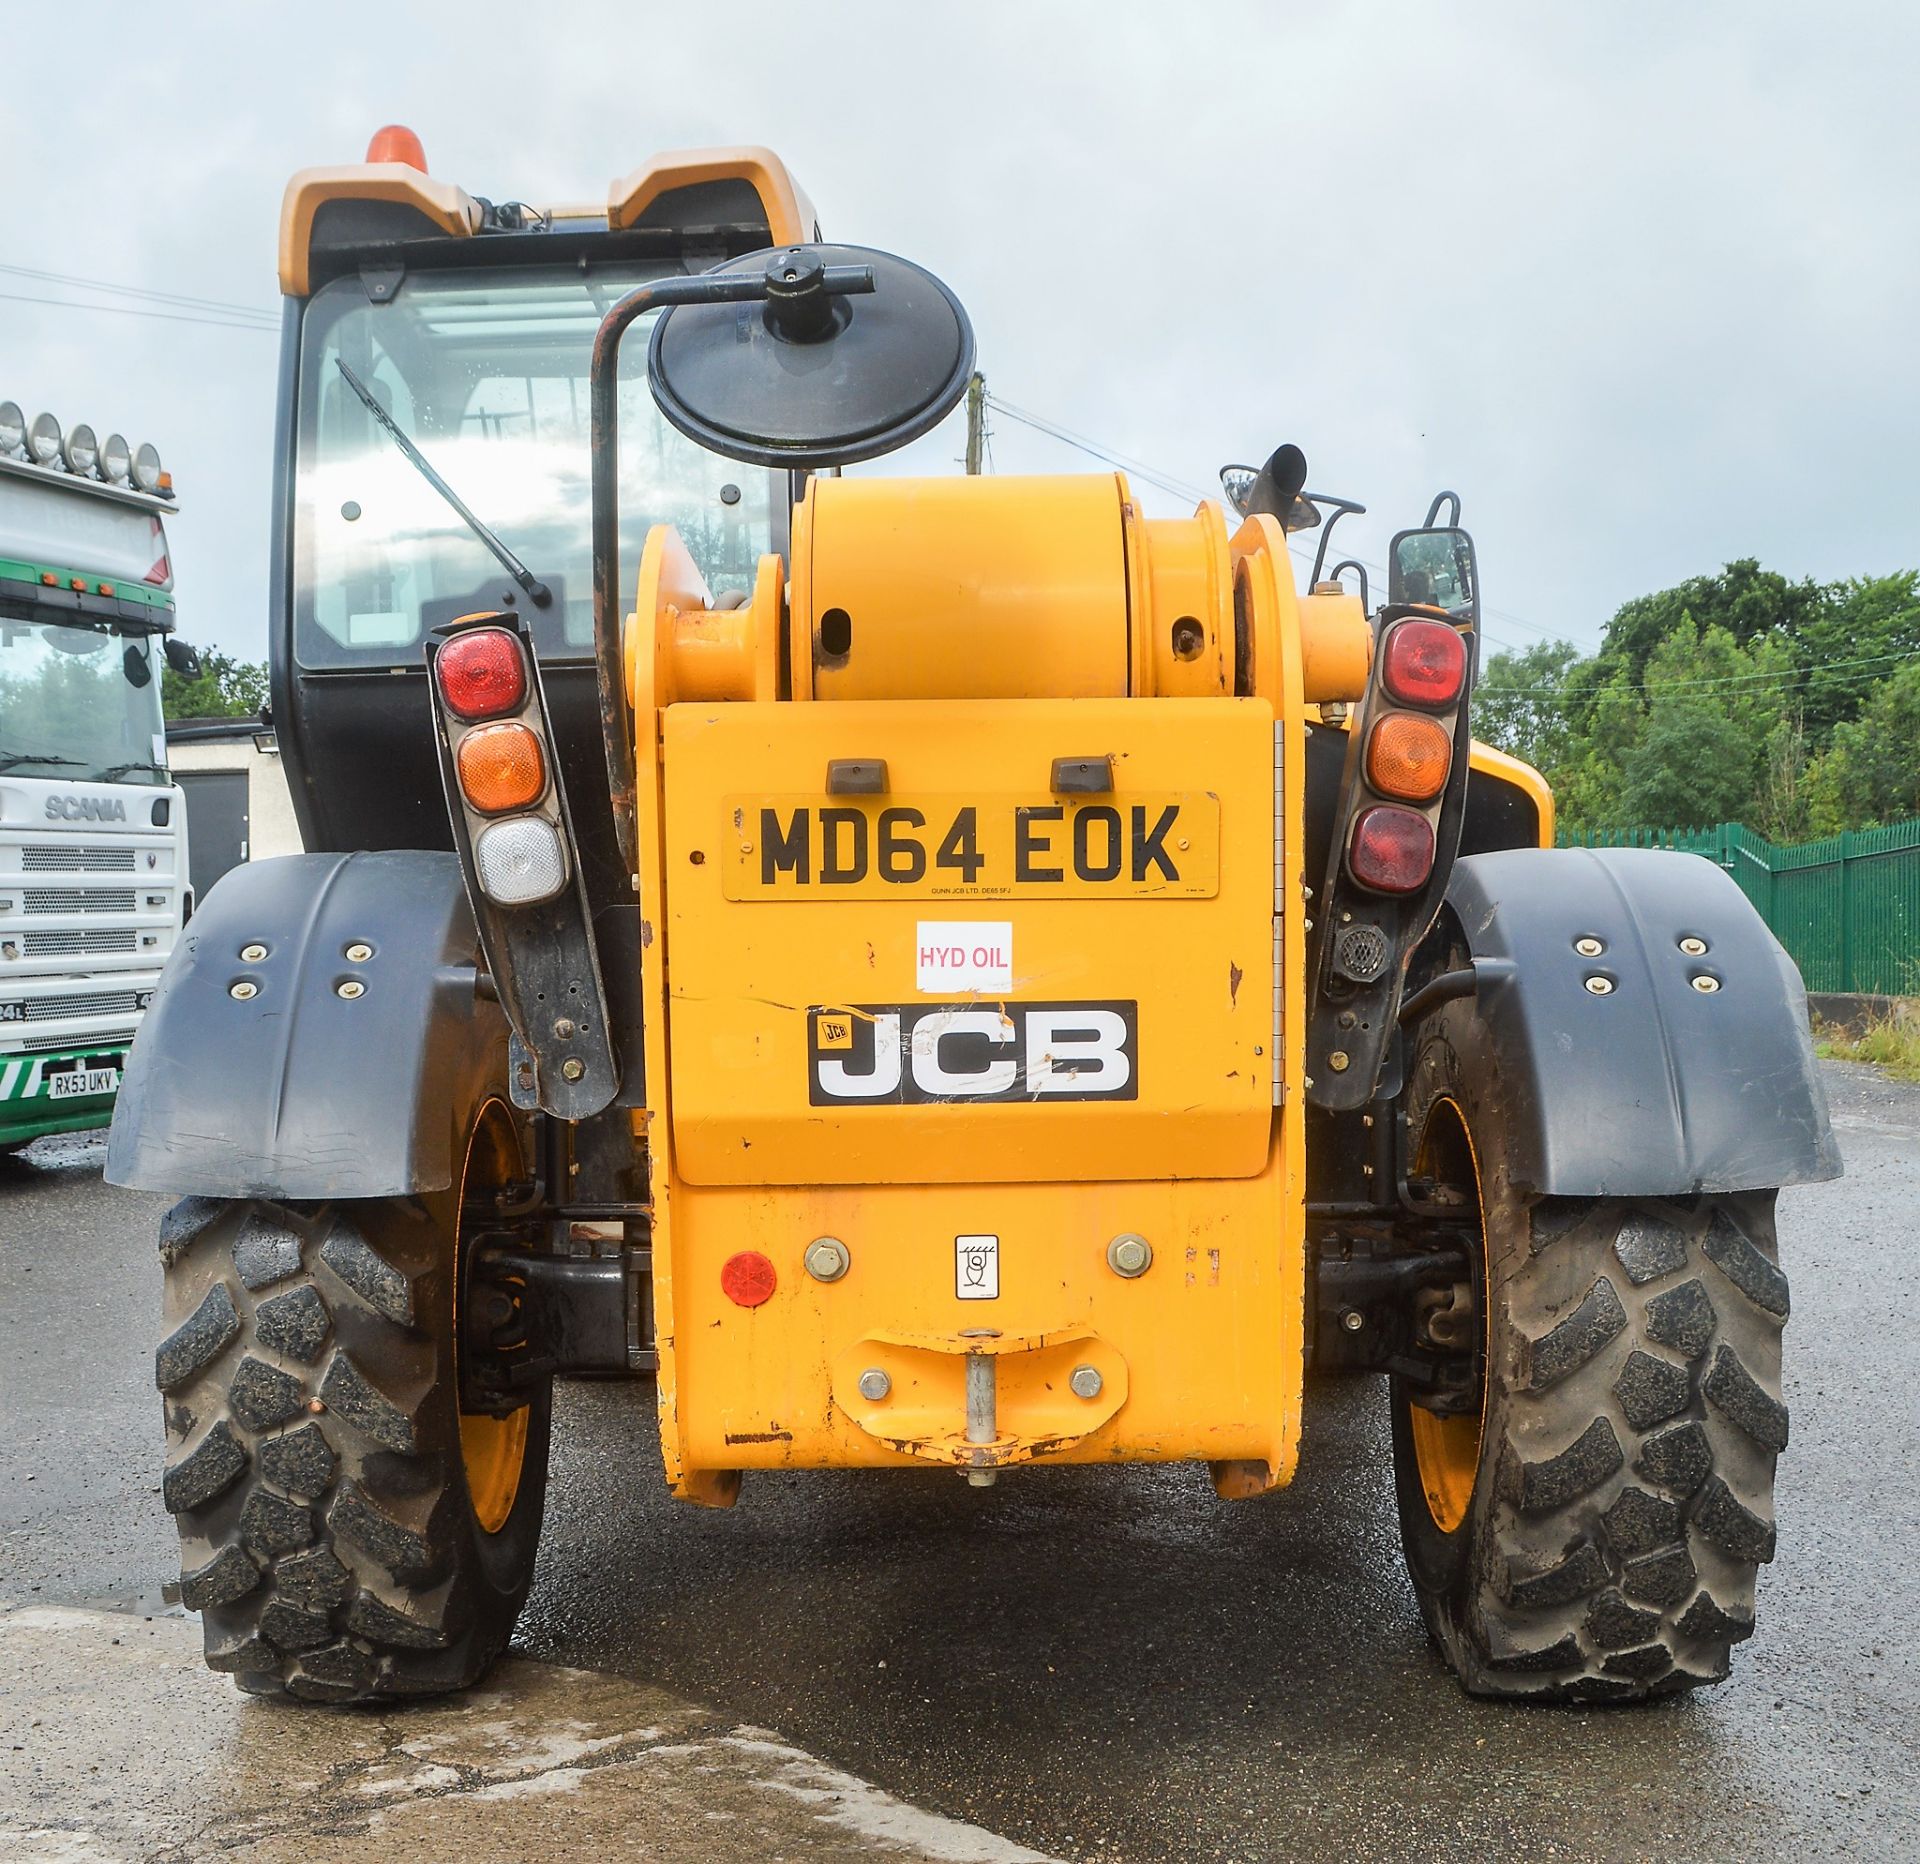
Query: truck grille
x=77 y=860
x=96 y=1003
x=77 y=944
x=106 y=1038
x=78 y=899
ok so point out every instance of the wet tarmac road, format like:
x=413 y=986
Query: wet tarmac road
x=1111 y=1664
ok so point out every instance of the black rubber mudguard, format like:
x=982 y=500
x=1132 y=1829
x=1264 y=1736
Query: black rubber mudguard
x=292 y=1089
x=1648 y=1086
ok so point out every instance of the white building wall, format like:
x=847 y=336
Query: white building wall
x=271 y=827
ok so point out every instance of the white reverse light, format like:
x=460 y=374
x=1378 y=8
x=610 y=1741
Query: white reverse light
x=520 y=861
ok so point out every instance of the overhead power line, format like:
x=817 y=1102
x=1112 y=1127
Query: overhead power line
x=1558 y=695
x=252 y=312
x=139 y=310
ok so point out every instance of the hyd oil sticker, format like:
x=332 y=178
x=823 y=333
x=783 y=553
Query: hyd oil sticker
x=952 y=955
x=908 y=1054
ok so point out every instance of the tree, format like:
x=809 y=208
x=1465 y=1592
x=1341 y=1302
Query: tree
x=226 y=688
x=1521 y=702
x=1870 y=774
x=1744 y=600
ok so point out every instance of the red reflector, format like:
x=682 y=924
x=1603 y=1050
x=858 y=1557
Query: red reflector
x=1425 y=663
x=482 y=673
x=748 y=1279
x=1391 y=850
x=394 y=142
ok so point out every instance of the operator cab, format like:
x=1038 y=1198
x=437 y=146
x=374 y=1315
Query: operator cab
x=434 y=455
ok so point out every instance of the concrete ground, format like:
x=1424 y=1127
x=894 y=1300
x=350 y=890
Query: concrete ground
x=1105 y=1664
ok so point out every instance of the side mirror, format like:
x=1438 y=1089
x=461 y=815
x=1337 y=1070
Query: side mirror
x=181 y=658
x=1436 y=569
x=1273 y=490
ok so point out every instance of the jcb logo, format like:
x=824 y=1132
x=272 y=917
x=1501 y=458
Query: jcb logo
x=917 y=1054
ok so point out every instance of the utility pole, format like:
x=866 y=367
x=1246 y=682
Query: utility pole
x=976 y=419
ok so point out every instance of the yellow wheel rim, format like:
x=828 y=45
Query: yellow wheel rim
x=1446 y=1450
x=492 y=1449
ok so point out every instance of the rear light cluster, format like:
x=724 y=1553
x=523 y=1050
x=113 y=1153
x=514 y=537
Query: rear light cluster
x=1409 y=755
x=496 y=734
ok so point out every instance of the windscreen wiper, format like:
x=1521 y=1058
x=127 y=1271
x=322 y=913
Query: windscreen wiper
x=120 y=770
x=537 y=591
x=14 y=758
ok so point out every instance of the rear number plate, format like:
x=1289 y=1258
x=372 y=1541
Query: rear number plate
x=951 y=847
x=75 y=1083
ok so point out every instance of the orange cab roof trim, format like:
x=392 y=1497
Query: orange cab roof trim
x=451 y=209
x=790 y=215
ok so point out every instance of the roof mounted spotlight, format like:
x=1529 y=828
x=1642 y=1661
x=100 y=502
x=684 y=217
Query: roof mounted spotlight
x=146 y=467
x=82 y=450
x=116 y=460
x=43 y=440
x=13 y=431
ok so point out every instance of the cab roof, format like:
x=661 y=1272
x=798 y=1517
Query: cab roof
x=333 y=218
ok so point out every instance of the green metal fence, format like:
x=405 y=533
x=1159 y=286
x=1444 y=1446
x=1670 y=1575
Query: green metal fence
x=1847 y=908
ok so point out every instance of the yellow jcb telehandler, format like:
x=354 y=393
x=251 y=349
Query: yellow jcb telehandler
x=933 y=972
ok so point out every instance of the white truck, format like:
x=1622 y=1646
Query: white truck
x=93 y=834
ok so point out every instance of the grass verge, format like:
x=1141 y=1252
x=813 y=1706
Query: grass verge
x=1889 y=1044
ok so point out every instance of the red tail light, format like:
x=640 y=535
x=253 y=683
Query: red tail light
x=482 y=674
x=1424 y=663
x=1391 y=850
x=396 y=143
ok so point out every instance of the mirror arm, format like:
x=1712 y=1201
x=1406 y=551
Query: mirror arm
x=1341 y=506
x=604 y=444
x=1360 y=570
x=1433 y=522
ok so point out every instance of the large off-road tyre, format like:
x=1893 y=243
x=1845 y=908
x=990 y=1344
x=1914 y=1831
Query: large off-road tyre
x=1593 y=1530
x=346 y=1532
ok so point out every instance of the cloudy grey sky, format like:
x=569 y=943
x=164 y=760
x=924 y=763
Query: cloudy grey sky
x=1640 y=280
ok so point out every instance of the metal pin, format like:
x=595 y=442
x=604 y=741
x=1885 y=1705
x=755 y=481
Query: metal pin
x=252 y=954
x=243 y=990
x=1694 y=947
x=350 y=987
x=1600 y=986
x=1588 y=946
x=359 y=952
x=1706 y=985
x=983 y=1420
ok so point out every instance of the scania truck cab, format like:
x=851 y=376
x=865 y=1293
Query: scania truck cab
x=93 y=835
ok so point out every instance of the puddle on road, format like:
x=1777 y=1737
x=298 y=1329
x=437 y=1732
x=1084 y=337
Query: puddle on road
x=115 y=1743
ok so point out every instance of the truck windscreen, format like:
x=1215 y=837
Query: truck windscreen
x=80 y=702
x=486 y=373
